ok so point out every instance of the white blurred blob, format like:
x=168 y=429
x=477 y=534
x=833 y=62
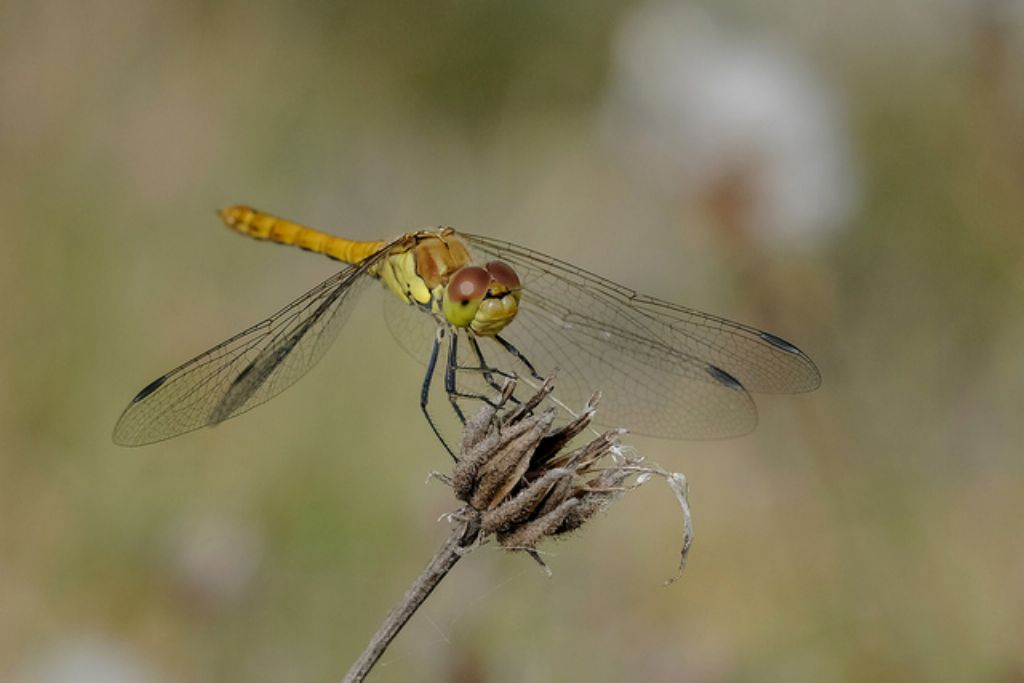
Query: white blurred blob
x=215 y=558
x=87 y=659
x=734 y=124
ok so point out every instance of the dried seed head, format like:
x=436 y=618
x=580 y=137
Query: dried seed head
x=522 y=486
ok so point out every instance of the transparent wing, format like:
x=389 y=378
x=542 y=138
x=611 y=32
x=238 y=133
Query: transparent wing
x=247 y=369
x=665 y=370
x=412 y=328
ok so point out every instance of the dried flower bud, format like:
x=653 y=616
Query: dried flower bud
x=520 y=485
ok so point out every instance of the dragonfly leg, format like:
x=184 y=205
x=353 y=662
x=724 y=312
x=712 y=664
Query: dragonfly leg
x=425 y=391
x=510 y=347
x=488 y=371
x=449 y=376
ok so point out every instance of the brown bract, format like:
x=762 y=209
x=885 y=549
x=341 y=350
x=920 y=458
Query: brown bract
x=521 y=481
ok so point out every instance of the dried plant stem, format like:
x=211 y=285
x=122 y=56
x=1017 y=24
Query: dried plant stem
x=521 y=485
x=463 y=536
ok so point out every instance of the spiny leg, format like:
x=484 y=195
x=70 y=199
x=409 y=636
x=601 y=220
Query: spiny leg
x=451 y=378
x=488 y=371
x=510 y=347
x=425 y=390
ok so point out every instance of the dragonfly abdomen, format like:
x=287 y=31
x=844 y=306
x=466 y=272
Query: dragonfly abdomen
x=263 y=226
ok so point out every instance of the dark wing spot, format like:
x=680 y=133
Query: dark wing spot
x=779 y=342
x=724 y=378
x=243 y=373
x=149 y=388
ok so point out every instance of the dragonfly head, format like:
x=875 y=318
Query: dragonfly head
x=482 y=298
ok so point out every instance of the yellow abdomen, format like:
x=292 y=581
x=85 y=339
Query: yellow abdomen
x=263 y=226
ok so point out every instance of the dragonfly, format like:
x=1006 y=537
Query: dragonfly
x=487 y=309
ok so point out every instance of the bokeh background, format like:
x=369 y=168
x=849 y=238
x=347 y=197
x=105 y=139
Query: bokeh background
x=848 y=175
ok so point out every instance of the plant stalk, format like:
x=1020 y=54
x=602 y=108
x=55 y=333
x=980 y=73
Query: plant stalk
x=462 y=537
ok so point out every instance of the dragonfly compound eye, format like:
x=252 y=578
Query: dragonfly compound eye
x=463 y=295
x=469 y=284
x=504 y=275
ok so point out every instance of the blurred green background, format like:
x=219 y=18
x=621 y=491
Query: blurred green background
x=848 y=176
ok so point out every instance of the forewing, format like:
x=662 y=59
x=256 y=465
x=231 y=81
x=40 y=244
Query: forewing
x=247 y=369
x=665 y=370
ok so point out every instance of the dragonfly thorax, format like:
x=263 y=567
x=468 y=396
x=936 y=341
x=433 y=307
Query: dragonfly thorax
x=419 y=265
